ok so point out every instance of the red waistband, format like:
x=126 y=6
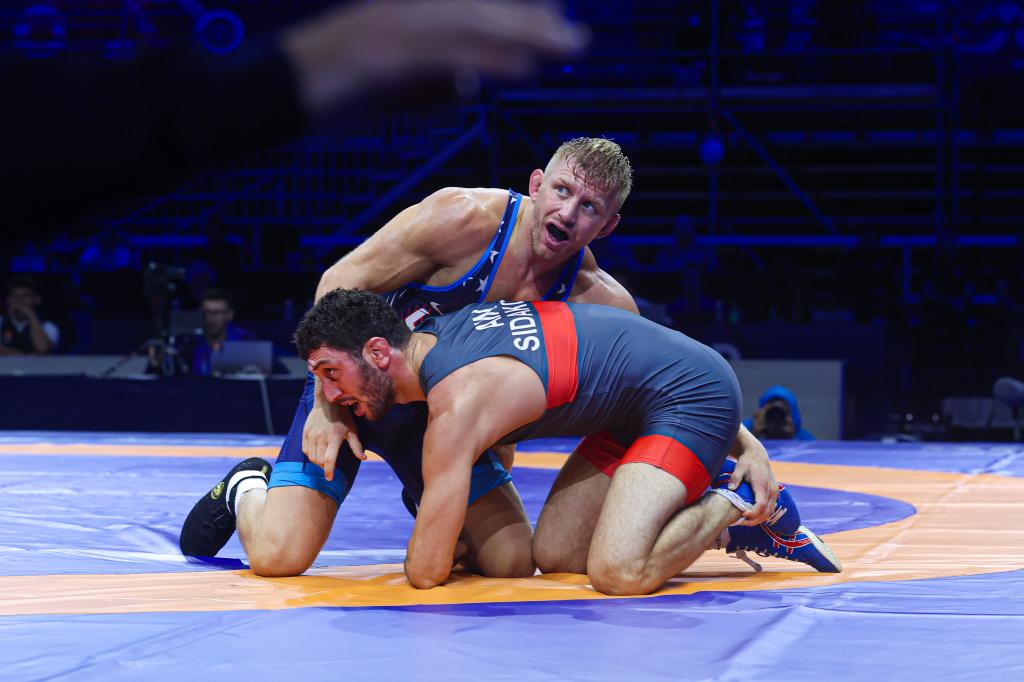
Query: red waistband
x=560 y=341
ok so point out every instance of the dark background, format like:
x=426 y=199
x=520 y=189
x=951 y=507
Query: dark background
x=813 y=179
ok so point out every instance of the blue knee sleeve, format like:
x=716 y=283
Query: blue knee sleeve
x=309 y=475
x=294 y=468
x=488 y=474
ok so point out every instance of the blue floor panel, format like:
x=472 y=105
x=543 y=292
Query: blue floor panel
x=120 y=514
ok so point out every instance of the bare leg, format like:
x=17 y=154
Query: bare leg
x=644 y=536
x=561 y=541
x=283 y=529
x=498 y=535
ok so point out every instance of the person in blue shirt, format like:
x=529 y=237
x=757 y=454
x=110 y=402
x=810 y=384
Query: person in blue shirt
x=218 y=327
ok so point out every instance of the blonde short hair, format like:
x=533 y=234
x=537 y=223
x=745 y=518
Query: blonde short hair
x=601 y=161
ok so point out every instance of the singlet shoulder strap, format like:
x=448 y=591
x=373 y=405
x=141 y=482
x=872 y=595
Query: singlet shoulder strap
x=562 y=286
x=493 y=256
x=479 y=276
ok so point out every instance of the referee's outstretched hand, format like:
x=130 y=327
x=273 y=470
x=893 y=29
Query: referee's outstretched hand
x=373 y=51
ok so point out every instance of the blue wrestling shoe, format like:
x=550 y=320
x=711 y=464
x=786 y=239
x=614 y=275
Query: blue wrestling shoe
x=803 y=546
x=211 y=522
x=784 y=519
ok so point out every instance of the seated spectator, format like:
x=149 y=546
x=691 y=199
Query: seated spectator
x=777 y=417
x=218 y=327
x=21 y=330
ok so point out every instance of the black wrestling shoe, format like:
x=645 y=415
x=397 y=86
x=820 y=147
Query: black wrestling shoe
x=211 y=522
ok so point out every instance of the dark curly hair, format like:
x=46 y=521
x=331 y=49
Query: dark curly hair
x=346 y=319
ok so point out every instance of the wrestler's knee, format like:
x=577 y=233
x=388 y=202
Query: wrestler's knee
x=272 y=559
x=621 y=578
x=517 y=563
x=278 y=551
x=287 y=537
x=553 y=557
x=547 y=560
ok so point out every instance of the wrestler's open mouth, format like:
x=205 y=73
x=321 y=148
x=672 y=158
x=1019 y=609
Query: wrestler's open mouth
x=356 y=407
x=557 y=234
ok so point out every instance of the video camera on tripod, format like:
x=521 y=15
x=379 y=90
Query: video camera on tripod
x=177 y=329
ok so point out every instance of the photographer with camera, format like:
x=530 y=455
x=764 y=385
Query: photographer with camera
x=777 y=417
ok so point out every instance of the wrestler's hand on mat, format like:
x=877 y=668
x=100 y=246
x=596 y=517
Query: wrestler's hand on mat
x=368 y=53
x=461 y=550
x=327 y=427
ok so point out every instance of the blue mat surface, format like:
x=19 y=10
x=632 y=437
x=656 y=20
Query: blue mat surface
x=66 y=514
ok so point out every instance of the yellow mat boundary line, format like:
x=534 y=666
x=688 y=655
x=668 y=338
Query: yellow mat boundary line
x=949 y=536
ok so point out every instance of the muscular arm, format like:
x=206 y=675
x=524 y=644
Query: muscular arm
x=440 y=231
x=464 y=420
x=424 y=238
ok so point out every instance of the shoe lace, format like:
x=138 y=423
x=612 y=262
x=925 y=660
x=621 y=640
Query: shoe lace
x=742 y=556
x=741 y=553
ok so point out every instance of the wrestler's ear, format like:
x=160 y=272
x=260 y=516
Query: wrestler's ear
x=609 y=227
x=536 y=177
x=377 y=351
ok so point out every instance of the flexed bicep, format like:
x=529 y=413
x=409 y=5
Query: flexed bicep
x=423 y=238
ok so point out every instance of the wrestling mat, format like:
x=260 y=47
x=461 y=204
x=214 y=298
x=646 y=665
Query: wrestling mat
x=92 y=586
